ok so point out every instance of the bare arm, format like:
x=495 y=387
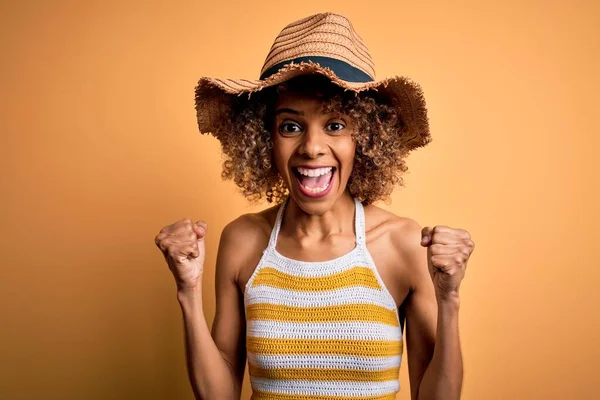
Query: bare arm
x=433 y=347
x=209 y=373
x=216 y=361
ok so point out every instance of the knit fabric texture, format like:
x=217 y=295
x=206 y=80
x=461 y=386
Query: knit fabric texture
x=326 y=330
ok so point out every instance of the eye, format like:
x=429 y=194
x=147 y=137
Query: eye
x=335 y=126
x=289 y=128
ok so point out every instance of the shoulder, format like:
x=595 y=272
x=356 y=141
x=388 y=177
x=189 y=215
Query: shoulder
x=402 y=230
x=249 y=230
x=400 y=235
x=243 y=240
x=248 y=226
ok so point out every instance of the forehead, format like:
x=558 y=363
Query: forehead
x=301 y=101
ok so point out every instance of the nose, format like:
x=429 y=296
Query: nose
x=313 y=143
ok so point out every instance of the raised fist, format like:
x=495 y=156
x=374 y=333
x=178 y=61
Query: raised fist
x=182 y=245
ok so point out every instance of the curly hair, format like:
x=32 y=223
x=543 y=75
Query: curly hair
x=248 y=150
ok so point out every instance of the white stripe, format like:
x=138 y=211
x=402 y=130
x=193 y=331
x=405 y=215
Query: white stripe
x=359 y=330
x=347 y=295
x=355 y=258
x=329 y=388
x=324 y=361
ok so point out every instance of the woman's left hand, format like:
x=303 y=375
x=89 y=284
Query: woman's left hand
x=448 y=251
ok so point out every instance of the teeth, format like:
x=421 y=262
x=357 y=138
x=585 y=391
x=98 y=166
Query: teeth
x=316 y=190
x=314 y=172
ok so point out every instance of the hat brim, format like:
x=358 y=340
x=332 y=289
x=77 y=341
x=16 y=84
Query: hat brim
x=214 y=97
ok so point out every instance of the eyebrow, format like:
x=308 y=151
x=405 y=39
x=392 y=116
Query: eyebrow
x=288 y=110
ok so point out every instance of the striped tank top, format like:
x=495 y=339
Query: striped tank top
x=325 y=330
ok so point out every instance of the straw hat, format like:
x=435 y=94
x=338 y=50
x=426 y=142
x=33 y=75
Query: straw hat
x=326 y=44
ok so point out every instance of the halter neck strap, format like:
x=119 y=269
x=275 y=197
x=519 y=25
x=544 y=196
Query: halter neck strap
x=359 y=224
x=275 y=230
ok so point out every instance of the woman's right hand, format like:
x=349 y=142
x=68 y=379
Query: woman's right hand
x=182 y=245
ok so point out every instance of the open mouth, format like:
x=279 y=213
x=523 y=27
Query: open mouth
x=314 y=182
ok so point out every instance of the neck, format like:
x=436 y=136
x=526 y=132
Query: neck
x=337 y=220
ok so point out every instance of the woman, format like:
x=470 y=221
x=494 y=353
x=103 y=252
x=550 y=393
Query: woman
x=314 y=291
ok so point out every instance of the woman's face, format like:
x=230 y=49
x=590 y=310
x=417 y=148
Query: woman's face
x=313 y=151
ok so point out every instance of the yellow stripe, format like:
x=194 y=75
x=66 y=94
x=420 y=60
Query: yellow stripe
x=342 y=312
x=324 y=374
x=262 y=395
x=364 y=348
x=356 y=276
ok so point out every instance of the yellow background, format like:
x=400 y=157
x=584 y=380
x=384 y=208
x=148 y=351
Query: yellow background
x=100 y=150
